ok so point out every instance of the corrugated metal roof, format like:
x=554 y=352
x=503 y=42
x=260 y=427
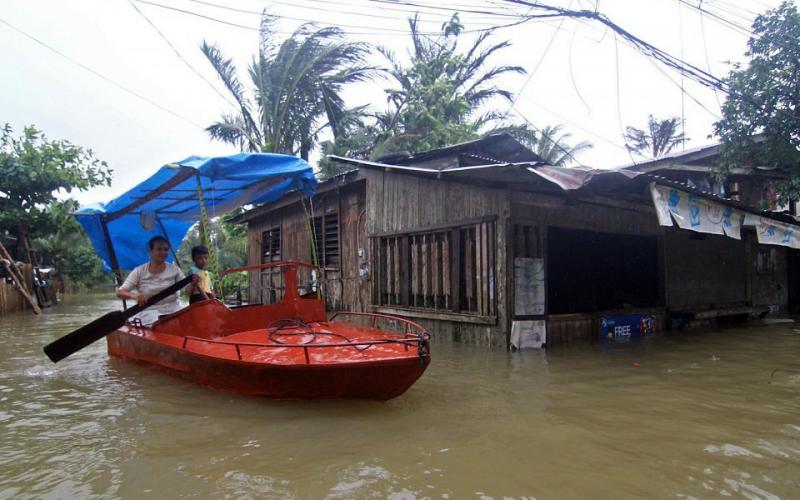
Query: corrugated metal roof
x=492 y=149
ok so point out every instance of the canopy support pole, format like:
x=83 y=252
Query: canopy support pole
x=113 y=256
x=205 y=228
x=164 y=232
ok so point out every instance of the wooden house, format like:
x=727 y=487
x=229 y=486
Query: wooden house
x=483 y=242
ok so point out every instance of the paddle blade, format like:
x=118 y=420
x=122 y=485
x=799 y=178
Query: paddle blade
x=85 y=335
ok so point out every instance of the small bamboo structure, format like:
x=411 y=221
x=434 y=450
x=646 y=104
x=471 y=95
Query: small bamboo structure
x=17 y=278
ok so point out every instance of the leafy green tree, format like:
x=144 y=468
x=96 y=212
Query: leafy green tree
x=549 y=143
x=61 y=242
x=297 y=86
x=661 y=137
x=357 y=139
x=761 y=117
x=437 y=98
x=84 y=268
x=229 y=242
x=33 y=170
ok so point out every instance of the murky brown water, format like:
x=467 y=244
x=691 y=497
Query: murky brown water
x=706 y=414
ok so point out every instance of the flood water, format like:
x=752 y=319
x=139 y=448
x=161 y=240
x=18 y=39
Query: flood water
x=698 y=414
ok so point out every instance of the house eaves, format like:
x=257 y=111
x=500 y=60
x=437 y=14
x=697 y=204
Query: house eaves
x=332 y=183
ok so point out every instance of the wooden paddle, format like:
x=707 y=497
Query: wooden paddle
x=102 y=326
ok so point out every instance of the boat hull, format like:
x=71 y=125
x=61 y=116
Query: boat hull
x=371 y=379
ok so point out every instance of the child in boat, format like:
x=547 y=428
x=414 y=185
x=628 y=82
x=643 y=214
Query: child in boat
x=202 y=290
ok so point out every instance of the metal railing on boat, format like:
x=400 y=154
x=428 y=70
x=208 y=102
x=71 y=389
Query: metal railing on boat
x=417 y=338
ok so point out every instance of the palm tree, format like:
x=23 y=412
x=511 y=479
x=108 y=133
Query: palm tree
x=437 y=96
x=549 y=143
x=297 y=86
x=660 y=138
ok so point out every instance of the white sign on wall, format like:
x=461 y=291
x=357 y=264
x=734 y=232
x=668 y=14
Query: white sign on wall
x=529 y=290
x=528 y=334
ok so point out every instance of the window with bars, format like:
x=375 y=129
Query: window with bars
x=271 y=279
x=450 y=269
x=271 y=245
x=326 y=237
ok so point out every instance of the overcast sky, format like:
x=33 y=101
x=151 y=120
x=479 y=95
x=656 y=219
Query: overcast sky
x=127 y=95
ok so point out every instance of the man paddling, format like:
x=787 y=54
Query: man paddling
x=152 y=277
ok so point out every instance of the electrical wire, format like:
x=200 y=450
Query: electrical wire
x=721 y=20
x=619 y=111
x=214 y=19
x=705 y=51
x=437 y=7
x=519 y=92
x=697 y=74
x=538 y=64
x=291 y=18
x=371 y=14
x=573 y=123
x=572 y=72
x=384 y=8
x=678 y=85
x=177 y=53
x=546 y=136
x=101 y=76
x=377 y=32
x=683 y=93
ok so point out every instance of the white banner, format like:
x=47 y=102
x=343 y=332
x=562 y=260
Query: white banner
x=695 y=213
x=772 y=232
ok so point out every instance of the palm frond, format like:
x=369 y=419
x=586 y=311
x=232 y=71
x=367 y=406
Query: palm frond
x=227 y=73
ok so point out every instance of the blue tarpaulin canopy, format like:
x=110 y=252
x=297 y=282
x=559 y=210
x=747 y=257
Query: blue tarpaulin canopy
x=168 y=202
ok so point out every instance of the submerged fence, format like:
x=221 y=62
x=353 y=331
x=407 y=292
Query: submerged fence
x=10 y=298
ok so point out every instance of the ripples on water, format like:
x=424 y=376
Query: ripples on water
x=692 y=415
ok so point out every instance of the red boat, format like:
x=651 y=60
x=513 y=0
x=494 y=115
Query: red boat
x=289 y=349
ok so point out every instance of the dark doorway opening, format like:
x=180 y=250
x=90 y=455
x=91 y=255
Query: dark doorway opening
x=590 y=271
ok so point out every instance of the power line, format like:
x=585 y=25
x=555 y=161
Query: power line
x=705 y=51
x=253 y=12
x=377 y=32
x=214 y=19
x=546 y=136
x=177 y=53
x=619 y=111
x=683 y=93
x=573 y=123
x=437 y=7
x=687 y=94
x=384 y=8
x=664 y=73
x=699 y=75
x=99 y=75
x=572 y=71
x=371 y=13
x=538 y=64
x=726 y=22
x=745 y=15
